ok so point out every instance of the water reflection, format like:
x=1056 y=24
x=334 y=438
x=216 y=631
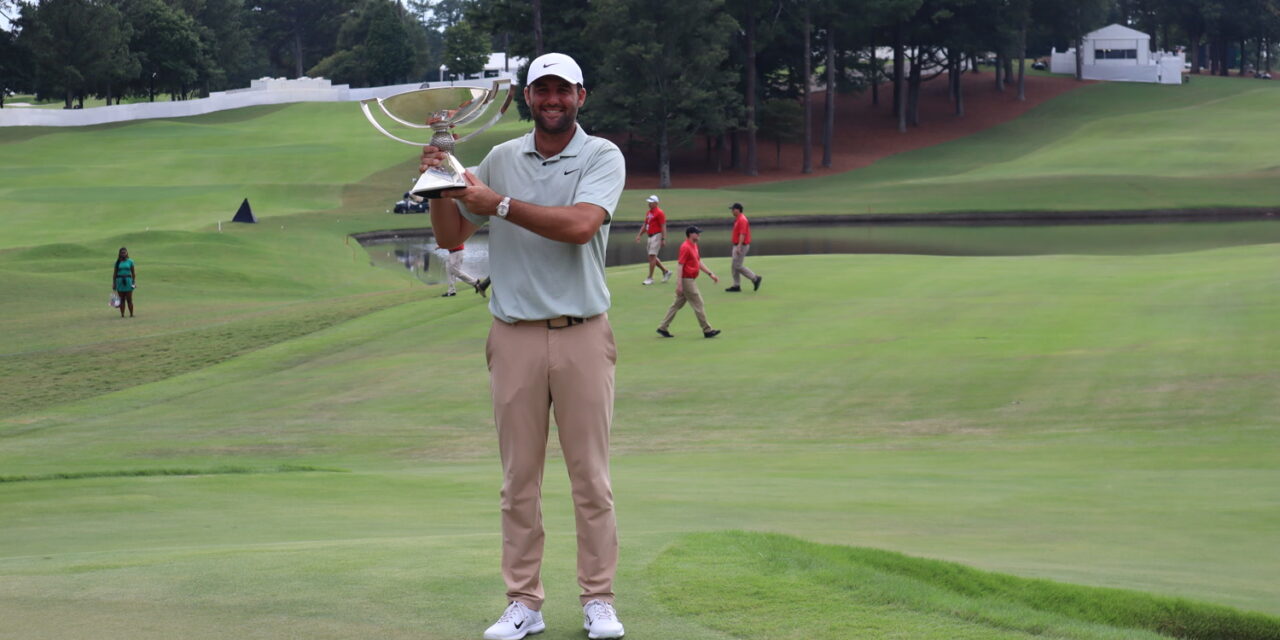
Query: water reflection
x=421 y=255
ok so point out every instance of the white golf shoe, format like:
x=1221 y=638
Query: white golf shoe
x=601 y=621
x=516 y=622
x=647 y=281
x=666 y=276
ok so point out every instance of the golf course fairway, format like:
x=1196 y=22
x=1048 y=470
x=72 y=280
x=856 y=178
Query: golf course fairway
x=289 y=442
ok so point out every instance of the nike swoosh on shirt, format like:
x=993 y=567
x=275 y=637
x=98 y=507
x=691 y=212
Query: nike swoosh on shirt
x=569 y=171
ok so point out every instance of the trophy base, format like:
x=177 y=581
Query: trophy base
x=436 y=179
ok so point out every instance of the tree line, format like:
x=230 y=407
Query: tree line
x=730 y=72
x=115 y=49
x=663 y=72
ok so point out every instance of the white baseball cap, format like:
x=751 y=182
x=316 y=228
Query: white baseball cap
x=653 y=198
x=554 y=64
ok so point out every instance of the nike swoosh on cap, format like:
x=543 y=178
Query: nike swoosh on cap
x=549 y=64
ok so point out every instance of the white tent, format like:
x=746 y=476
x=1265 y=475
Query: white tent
x=1116 y=52
x=1117 y=45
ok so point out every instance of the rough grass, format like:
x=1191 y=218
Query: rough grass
x=752 y=585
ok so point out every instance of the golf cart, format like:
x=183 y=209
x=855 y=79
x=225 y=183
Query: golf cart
x=410 y=204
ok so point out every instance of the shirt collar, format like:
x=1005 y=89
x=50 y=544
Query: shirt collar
x=572 y=149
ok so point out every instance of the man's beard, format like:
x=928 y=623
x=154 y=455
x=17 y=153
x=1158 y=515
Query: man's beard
x=541 y=122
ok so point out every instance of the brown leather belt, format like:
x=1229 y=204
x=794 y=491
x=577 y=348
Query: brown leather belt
x=558 y=322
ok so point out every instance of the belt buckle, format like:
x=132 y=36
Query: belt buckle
x=568 y=321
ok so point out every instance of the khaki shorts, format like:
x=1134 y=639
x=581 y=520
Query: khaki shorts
x=655 y=244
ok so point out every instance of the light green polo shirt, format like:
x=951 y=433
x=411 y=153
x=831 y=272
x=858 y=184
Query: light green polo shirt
x=535 y=278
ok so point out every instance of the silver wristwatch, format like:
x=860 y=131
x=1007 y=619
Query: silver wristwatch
x=504 y=207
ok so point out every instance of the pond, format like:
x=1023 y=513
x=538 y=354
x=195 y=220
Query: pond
x=421 y=255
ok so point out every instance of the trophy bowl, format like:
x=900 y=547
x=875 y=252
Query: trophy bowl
x=453 y=114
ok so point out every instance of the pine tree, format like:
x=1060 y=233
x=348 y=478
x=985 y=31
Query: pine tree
x=466 y=49
x=663 y=74
x=388 y=52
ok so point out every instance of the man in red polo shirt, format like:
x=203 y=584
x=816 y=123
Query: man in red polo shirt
x=687 y=287
x=741 y=239
x=655 y=225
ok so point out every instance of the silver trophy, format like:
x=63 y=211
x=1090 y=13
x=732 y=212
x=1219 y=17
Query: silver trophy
x=452 y=114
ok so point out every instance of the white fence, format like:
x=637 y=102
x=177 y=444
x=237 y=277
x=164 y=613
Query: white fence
x=260 y=92
x=1165 y=68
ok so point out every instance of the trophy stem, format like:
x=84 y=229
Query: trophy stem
x=442 y=139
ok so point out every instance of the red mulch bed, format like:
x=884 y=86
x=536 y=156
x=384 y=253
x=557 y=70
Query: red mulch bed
x=864 y=133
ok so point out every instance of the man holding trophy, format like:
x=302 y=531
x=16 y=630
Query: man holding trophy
x=548 y=198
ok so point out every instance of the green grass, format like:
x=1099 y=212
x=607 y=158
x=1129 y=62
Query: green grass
x=776 y=587
x=143 y=473
x=1118 y=433
x=1209 y=143
x=1111 y=146
x=1105 y=421
x=77 y=184
x=202 y=298
x=140 y=356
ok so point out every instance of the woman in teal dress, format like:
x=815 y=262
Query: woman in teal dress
x=124 y=279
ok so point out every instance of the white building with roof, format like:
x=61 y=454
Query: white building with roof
x=1118 y=53
x=498 y=66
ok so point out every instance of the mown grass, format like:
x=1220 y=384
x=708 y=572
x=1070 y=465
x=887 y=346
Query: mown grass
x=1108 y=146
x=752 y=585
x=83 y=371
x=146 y=473
x=206 y=294
x=1101 y=147
x=202 y=298
x=1118 y=432
x=76 y=184
x=1100 y=420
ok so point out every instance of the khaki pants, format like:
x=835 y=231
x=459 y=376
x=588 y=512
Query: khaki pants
x=534 y=370
x=453 y=269
x=690 y=295
x=740 y=256
x=654 y=244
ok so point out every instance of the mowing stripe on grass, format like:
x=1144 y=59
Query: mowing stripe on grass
x=147 y=473
x=89 y=370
